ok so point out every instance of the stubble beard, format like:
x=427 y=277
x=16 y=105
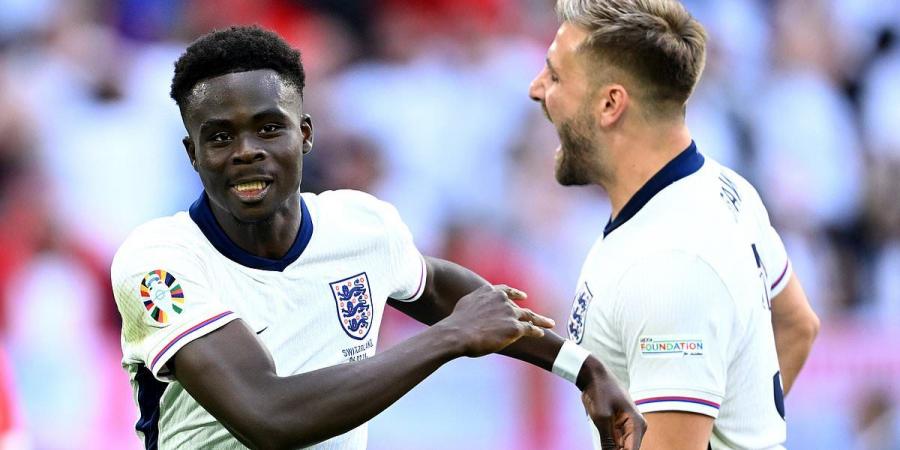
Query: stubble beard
x=574 y=166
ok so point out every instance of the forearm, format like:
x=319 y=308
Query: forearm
x=540 y=352
x=793 y=345
x=317 y=405
x=795 y=325
x=448 y=282
x=264 y=410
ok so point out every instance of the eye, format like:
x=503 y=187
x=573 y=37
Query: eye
x=270 y=128
x=554 y=78
x=220 y=138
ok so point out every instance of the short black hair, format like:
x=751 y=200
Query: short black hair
x=236 y=49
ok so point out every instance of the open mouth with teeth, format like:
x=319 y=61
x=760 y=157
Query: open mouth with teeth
x=251 y=190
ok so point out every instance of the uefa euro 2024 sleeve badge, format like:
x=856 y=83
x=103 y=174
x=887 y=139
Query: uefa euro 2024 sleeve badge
x=353 y=299
x=162 y=296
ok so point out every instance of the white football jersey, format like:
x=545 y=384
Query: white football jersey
x=178 y=278
x=675 y=298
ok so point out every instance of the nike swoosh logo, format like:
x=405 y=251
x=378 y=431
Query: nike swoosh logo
x=264 y=329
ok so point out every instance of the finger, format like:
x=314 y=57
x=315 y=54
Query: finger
x=606 y=428
x=638 y=427
x=624 y=432
x=542 y=321
x=511 y=292
x=529 y=330
x=629 y=431
x=528 y=315
x=607 y=442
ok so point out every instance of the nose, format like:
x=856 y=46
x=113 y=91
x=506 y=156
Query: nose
x=536 y=89
x=248 y=151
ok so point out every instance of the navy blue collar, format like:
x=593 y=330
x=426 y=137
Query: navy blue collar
x=686 y=163
x=202 y=215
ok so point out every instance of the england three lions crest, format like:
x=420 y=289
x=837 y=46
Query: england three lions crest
x=579 y=311
x=353 y=299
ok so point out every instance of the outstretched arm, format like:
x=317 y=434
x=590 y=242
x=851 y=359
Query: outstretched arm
x=233 y=377
x=611 y=410
x=795 y=325
x=446 y=283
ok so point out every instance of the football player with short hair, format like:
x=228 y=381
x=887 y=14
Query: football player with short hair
x=688 y=294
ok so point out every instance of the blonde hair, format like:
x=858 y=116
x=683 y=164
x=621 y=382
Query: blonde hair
x=657 y=42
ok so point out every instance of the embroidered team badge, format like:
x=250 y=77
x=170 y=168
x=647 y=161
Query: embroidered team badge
x=353 y=299
x=579 y=310
x=162 y=296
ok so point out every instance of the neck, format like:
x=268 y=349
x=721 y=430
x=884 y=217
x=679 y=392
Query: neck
x=637 y=155
x=270 y=238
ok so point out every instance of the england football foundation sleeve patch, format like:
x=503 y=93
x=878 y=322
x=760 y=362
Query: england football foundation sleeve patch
x=676 y=318
x=165 y=301
x=406 y=262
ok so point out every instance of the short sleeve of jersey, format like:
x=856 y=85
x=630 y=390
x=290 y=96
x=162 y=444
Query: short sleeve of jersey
x=676 y=319
x=407 y=264
x=772 y=253
x=165 y=301
x=775 y=259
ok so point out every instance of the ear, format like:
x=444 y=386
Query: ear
x=308 y=135
x=191 y=151
x=610 y=103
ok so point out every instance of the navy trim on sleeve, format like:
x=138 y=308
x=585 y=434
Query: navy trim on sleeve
x=779 y=394
x=150 y=391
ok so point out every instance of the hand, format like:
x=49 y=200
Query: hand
x=486 y=321
x=616 y=417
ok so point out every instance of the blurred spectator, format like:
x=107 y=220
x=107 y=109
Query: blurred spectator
x=808 y=152
x=58 y=330
x=808 y=160
x=342 y=162
x=878 y=422
x=444 y=108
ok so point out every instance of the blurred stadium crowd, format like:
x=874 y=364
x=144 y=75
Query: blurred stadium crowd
x=424 y=103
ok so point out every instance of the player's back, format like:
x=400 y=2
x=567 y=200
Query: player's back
x=685 y=321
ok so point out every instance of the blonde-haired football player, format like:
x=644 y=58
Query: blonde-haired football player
x=688 y=295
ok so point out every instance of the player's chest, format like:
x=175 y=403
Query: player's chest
x=314 y=316
x=592 y=298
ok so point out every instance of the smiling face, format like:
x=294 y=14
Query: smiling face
x=564 y=91
x=247 y=136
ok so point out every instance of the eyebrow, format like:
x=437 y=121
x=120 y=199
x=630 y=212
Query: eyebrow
x=268 y=113
x=549 y=64
x=214 y=123
x=217 y=122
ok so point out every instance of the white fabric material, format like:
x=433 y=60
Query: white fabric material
x=569 y=360
x=676 y=305
x=295 y=312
